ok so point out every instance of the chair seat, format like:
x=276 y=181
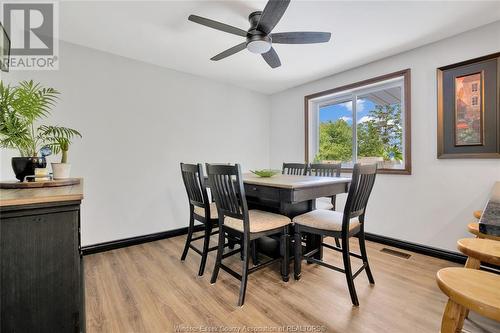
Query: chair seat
x=473 y=289
x=477 y=214
x=213 y=211
x=473 y=228
x=259 y=221
x=325 y=220
x=484 y=250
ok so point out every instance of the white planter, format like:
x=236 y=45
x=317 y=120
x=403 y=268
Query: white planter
x=61 y=170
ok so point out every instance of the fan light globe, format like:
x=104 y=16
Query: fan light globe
x=259 y=46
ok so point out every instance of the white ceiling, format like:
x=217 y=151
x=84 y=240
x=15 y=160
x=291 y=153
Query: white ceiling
x=362 y=31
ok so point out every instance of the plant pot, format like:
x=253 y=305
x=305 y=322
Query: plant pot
x=61 y=170
x=25 y=166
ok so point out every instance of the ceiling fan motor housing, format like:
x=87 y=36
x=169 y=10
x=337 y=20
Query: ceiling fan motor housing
x=257 y=41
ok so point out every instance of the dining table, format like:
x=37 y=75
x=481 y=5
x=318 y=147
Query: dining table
x=290 y=195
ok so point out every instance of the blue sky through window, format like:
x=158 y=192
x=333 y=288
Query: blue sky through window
x=344 y=111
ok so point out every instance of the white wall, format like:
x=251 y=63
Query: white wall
x=434 y=204
x=138 y=122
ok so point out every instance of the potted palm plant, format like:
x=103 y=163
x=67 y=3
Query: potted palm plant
x=59 y=139
x=21 y=108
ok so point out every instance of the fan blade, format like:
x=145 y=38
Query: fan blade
x=217 y=25
x=231 y=51
x=271 y=15
x=300 y=37
x=272 y=59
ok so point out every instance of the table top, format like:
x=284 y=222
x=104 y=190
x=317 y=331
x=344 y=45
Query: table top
x=490 y=220
x=27 y=196
x=293 y=182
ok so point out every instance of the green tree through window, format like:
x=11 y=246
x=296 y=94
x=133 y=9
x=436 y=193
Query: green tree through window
x=381 y=135
x=335 y=141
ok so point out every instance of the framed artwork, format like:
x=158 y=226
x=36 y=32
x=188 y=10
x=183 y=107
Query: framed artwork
x=468 y=109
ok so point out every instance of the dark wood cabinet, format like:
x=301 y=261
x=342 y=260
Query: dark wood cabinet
x=41 y=267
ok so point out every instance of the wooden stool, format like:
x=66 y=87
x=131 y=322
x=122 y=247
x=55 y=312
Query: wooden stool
x=479 y=250
x=477 y=214
x=473 y=228
x=468 y=289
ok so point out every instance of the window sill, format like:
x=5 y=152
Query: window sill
x=384 y=171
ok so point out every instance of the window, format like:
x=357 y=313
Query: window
x=365 y=122
x=474 y=101
x=474 y=87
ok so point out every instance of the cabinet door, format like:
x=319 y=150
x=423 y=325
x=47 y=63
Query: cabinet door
x=40 y=272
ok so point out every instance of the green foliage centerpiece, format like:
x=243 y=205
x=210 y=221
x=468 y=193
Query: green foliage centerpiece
x=265 y=173
x=21 y=108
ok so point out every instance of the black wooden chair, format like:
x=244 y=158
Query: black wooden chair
x=237 y=221
x=340 y=225
x=200 y=209
x=298 y=169
x=326 y=170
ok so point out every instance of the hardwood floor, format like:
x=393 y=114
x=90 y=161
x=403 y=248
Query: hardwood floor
x=146 y=288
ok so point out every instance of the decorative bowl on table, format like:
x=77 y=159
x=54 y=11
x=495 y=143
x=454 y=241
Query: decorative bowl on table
x=265 y=172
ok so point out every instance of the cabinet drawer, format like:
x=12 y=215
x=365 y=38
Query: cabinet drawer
x=262 y=192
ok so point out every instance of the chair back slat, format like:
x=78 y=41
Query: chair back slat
x=192 y=176
x=325 y=170
x=226 y=184
x=363 y=178
x=297 y=169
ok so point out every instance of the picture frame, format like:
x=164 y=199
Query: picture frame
x=468 y=94
x=4 y=49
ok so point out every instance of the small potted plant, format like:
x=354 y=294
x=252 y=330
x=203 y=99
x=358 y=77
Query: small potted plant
x=21 y=108
x=59 y=139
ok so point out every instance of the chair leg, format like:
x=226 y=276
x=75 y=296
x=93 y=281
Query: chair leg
x=241 y=250
x=451 y=318
x=362 y=248
x=315 y=241
x=471 y=263
x=297 y=261
x=206 y=243
x=244 y=272
x=463 y=314
x=334 y=200
x=220 y=250
x=253 y=248
x=337 y=242
x=189 y=237
x=285 y=246
x=348 y=270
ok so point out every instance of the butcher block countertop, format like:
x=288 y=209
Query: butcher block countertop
x=28 y=196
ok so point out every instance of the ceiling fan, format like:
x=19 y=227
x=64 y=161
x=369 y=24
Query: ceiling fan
x=259 y=38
